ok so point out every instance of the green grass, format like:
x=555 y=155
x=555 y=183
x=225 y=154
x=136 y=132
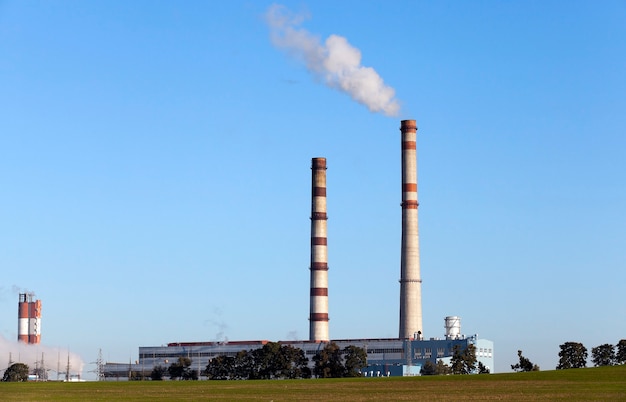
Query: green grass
x=591 y=384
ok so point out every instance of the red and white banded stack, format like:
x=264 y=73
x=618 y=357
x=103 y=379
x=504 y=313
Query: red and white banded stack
x=410 y=280
x=28 y=319
x=34 y=322
x=22 y=318
x=318 y=319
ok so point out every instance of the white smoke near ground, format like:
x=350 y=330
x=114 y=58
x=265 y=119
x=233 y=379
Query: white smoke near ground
x=335 y=61
x=55 y=360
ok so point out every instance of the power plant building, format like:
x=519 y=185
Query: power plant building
x=402 y=356
x=385 y=356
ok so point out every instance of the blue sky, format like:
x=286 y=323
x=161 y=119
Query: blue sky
x=155 y=172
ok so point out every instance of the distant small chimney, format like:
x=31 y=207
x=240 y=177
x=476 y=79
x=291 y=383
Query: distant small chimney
x=28 y=319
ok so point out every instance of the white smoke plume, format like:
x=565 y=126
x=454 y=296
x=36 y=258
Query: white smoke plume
x=54 y=359
x=335 y=61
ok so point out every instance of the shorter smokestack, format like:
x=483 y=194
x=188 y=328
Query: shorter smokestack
x=28 y=319
x=22 y=318
x=34 y=322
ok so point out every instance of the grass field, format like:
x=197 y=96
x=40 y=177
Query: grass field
x=591 y=384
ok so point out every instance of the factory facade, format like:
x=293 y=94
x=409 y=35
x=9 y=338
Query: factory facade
x=404 y=355
x=385 y=357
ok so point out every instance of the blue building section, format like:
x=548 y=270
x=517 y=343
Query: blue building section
x=406 y=357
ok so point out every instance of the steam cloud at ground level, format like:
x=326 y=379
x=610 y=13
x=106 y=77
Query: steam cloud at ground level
x=55 y=360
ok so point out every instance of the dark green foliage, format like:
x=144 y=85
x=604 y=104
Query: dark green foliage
x=328 y=362
x=221 y=368
x=428 y=368
x=181 y=369
x=272 y=361
x=442 y=369
x=298 y=364
x=524 y=364
x=456 y=362
x=157 y=373
x=243 y=367
x=620 y=356
x=276 y=361
x=355 y=359
x=17 y=372
x=482 y=369
x=463 y=362
x=572 y=355
x=603 y=355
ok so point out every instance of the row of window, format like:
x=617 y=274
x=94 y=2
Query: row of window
x=385 y=350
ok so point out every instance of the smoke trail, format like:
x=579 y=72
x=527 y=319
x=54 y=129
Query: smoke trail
x=335 y=61
x=54 y=359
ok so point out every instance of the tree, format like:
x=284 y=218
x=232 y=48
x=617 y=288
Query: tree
x=244 y=367
x=482 y=369
x=298 y=364
x=355 y=359
x=272 y=361
x=180 y=369
x=328 y=362
x=572 y=355
x=17 y=372
x=442 y=369
x=524 y=364
x=463 y=362
x=269 y=361
x=428 y=368
x=620 y=356
x=220 y=368
x=157 y=373
x=456 y=363
x=469 y=358
x=603 y=355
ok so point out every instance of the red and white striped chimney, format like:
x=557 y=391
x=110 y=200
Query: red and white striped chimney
x=410 y=280
x=318 y=319
x=34 y=322
x=28 y=319
x=22 y=318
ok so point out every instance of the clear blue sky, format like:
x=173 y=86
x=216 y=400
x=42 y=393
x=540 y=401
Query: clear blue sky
x=155 y=172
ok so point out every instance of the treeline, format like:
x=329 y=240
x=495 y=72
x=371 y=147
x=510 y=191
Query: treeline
x=272 y=361
x=574 y=355
x=462 y=362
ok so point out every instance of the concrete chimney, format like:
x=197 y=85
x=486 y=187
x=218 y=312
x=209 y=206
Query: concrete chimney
x=318 y=319
x=410 y=280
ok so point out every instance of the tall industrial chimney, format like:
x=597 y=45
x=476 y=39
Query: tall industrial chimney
x=410 y=280
x=22 y=318
x=318 y=319
x=28 y=319
x=34 y=322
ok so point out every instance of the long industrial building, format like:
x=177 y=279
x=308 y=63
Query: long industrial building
x=402 y=356
x=385 y=356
